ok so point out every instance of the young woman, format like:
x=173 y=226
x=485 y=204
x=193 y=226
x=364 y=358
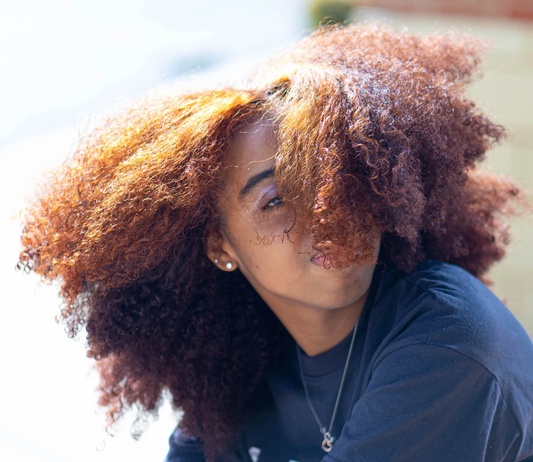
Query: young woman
x=299 y=263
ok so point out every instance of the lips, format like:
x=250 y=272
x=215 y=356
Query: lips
x=318 y=259
x=342 y=262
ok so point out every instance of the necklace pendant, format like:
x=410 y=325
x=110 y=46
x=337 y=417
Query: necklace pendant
x=327 y=444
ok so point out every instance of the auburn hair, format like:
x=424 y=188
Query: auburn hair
x=375 y=134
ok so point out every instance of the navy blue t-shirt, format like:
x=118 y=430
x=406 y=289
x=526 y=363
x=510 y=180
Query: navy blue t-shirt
x=440 y=371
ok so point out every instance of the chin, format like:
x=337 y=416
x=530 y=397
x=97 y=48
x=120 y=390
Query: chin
x=333 y=300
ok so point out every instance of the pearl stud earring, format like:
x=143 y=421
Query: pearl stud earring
x=217 y=261
x=229 y=265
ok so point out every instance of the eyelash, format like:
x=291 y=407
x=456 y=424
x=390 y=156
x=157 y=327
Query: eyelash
x=268 y=208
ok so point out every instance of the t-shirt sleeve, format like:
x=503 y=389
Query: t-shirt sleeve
x=428 y=403
x=184 y=448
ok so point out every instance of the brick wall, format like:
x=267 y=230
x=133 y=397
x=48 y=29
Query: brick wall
x=516 y=9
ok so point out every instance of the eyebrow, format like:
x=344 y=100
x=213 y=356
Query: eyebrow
x=254 y=180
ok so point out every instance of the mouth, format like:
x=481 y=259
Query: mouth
x=318 y=259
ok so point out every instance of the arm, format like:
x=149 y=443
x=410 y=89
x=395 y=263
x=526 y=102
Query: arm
x=184 y=448
x=429 y=403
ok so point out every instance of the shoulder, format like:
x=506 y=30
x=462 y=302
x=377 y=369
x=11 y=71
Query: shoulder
x=466 y=316
x=444 y=305
x=449 y=283
x=444 y=315
x=443 y=281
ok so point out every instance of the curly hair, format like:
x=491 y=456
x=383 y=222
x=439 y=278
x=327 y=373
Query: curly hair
x=375 y=134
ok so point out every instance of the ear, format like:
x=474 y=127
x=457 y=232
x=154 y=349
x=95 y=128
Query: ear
x=216 y=242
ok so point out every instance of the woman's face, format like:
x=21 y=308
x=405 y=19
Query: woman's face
x=283 y=268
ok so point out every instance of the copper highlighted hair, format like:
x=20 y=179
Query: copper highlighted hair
x=375 y=135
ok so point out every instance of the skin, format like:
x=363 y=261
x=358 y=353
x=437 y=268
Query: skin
x=319 y=306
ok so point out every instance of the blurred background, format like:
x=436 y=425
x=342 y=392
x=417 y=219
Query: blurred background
x=64 y=60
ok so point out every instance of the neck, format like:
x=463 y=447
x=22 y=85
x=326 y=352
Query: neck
x=317 y=330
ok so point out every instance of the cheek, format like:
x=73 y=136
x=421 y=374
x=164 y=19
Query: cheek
x=268 y=253
x=271 y=223
x=270 y=249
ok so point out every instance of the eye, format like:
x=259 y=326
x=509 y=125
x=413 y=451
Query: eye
x=273 y=204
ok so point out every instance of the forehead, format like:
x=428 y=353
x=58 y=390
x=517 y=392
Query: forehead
x=252 y=151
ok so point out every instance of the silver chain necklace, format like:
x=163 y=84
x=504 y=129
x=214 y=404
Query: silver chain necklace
x=327 y=443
